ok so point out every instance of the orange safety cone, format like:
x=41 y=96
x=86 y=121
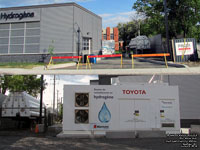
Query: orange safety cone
x=36 y=129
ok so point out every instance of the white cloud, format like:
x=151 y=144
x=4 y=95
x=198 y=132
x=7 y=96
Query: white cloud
x=106 y=15
x=111 y=20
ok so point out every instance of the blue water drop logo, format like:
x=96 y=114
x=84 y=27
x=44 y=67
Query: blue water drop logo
x=104 y=114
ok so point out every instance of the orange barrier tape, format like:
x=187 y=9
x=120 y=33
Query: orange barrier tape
x=100 y=56
x=66 y=57
x=151 y=55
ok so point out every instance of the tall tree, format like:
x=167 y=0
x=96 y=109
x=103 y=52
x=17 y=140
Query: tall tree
x=183 y=15
x=28 y=83
x=127 y=31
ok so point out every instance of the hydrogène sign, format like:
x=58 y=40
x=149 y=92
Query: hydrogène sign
x=19 y=16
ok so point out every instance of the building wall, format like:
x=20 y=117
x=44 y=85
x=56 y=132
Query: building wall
x=90 y=27
x=57 y=26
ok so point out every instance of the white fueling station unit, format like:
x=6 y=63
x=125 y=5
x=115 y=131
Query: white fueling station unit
x=98 y=109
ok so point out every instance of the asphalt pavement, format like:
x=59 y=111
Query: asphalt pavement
x=41 y=142
x=109 y=67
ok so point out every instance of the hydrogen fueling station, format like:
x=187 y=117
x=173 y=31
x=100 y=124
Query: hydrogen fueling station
x=100 y=110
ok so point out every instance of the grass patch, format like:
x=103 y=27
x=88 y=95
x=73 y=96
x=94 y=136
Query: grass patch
x=118 y=52
x=26 y=65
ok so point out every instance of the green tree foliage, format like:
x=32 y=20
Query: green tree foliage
x=183 y=16
x=28 y=83
x=60 y=112
x=127 y=31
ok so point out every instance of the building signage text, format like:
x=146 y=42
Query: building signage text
x=135 y=92
x=19 y=16
x=103 y=94
x=184 y=48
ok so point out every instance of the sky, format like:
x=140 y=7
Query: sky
x=111 y=11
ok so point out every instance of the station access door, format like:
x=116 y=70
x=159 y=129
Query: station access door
x=135 y=115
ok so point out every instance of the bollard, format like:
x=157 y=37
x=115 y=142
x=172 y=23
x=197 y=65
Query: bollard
x=132 y=62
x=121 y=62
x=50 y=62
x=165 y=60
x=88 y=61
x=79 y=60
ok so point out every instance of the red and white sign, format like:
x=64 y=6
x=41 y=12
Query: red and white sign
x=184 y=48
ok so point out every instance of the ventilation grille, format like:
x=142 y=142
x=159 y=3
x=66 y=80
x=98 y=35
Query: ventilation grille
x=81 y=116
x=81 y=100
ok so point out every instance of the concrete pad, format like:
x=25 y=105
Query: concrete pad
x=79 y=134
x=55 y=129
x=151 y=134
x=120 y=134
x=195 y=129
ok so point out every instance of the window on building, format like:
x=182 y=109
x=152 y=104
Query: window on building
x=19 y=37
x=104 y=36
x=111 y=36
x=87 y=44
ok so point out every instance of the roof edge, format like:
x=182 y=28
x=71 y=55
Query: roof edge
x=49 y=5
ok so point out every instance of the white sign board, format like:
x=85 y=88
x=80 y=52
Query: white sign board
x=184 y=48
x=121 y=107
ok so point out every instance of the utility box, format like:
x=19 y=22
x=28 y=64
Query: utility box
x=105 y=108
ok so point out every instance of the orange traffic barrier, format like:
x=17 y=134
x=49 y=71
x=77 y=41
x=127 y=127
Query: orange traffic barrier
x=151 y=55
x=65 y=57
x=101 y=56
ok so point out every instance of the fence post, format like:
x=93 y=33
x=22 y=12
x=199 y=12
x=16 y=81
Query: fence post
x=78 y=62
x=165 y=60
x=88 y=61
x=132 y=61
x=121 y=62
x=51 y=61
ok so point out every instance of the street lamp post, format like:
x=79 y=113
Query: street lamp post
x=41 y=97
x=78 y=40
x=166 y=25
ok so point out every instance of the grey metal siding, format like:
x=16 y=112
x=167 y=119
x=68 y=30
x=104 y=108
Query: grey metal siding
x=90 y=26
x=78 y=23
x=189 y=95
x=57 y=26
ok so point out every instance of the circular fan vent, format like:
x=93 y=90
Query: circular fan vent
x=81 y=99
x=81 y=116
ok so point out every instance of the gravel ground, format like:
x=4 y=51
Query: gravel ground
x=25 y=141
